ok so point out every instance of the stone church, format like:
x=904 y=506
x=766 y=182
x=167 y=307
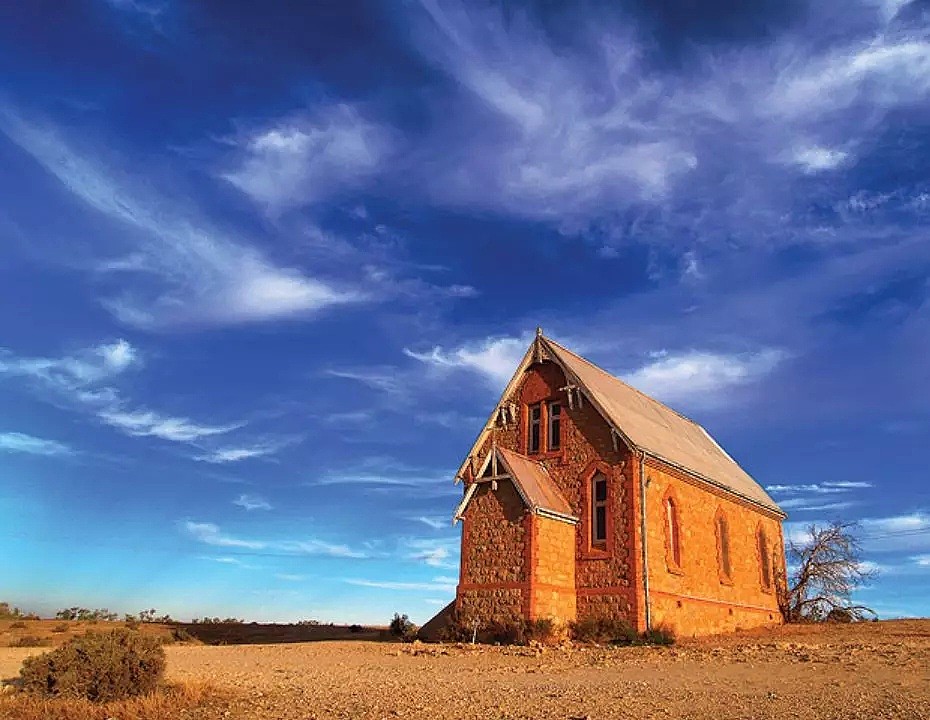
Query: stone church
x=584 y=497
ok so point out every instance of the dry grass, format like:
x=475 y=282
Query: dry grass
x=168 y=702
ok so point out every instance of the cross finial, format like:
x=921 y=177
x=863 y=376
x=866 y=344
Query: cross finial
x=539 y=331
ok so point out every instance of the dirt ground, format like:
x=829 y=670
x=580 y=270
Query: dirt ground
x=868 y=670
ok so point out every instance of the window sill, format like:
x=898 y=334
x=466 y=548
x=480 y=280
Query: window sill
x=674 y=570
x=726 y=581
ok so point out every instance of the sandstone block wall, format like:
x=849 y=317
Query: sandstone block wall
x=552 y=577
x=495 y=546
x=697 y=598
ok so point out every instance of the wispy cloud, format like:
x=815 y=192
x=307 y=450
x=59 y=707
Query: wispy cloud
x=309 y=156
x=700 y=378
x=252 y=502
x=14 y=442
x=145 y=423
x=384 y=379
x=440 y=584
x=222 y=456
x=496 y=359
x=75 y=372
x=437 y=553
x=201 y=274
x=211 y=534
x=434 y=522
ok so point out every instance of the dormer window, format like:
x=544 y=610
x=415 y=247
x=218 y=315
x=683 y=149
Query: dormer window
x=535 y=428
x=554 y=423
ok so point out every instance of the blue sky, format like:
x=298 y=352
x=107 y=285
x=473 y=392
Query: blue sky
x=265 y=268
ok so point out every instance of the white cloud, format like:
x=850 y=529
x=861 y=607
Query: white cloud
x=383 y=379
x=816 y=159
x=221 y=456
x=201 y=274
x=288 y=577
x=911 y=522
x=824 y=488
x=437 y=553
x=494 y=358
x=210 y=534
x=309 y=157
x=433 y=522
x=437 y=585
x=551 y=132
x=252 y=502
x=701 y=378
x=82 y=378
x=145 y=423
x=14 y=442
x=73 y=372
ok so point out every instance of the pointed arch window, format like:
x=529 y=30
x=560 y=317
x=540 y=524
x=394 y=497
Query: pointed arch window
x=599 y=510
x=722 y=528
x=765 y=564
x=672 y=534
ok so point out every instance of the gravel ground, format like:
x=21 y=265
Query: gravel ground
x=874 y=670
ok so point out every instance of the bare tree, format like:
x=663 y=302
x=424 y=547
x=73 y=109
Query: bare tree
x=825 y=567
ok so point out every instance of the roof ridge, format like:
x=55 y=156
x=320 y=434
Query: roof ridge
x=626 y=384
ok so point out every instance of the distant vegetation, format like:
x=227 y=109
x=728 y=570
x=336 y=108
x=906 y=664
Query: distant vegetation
x=14 y=613
x=218 y=621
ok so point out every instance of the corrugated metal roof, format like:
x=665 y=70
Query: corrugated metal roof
x=657 y=429
x=534 y=483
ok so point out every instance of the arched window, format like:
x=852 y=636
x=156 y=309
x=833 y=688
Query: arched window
x=599 y=510
x=765 y=566
x=672 y=533
x=723 y=546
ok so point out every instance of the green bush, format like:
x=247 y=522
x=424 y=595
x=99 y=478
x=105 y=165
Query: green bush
x=402 y=628
x=97 y=666
x=604 y=631
x=659 y=636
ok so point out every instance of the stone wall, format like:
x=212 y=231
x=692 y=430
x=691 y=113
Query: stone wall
x=586 y=447
x=495 y=545
x=552 y=577
x=696 y=597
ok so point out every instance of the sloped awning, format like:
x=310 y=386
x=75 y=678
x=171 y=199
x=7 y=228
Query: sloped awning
x=531 y=480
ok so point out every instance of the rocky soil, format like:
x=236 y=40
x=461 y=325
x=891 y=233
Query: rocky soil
x=870 y=670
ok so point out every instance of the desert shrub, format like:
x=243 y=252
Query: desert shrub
x=131 y=623
x=60 y=628
x=29 y=641
x=659 y=636
x=355 y=628
x=603 y=630
x=504 y=632
x=174 y=701
x=179 y=634
x=540 y=629
x=402 y=628
x=18 y=625
x=97 y=666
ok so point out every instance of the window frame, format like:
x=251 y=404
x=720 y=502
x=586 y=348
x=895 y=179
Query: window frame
x=595 y=542
x=724 y=554
x=672 y=522
x=556 y=423
x=532 y=425
x=765 y=565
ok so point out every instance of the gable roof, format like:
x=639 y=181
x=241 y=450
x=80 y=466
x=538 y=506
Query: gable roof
x=658 y=430
x=532 y=482
x=646 y=424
